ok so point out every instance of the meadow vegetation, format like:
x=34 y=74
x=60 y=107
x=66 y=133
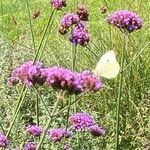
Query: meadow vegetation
x=21 y=36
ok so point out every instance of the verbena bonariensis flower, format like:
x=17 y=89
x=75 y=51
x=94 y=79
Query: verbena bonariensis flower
x=89 y=82
x=30 y=146
x=34 y=130
x=82 y=12
x=80 y=35
x=72 y=82
x=95 y=130
x=28 y=73
x=81 y=120
x=58 y=4
x=3 y=140
x=68 y=20
x=57 y=134
x=126 y=20
x=62 y=78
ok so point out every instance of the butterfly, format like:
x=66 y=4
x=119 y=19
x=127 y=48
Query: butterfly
x=108 y=66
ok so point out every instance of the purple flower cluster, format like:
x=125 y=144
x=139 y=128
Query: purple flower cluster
x=56 y=77
x=82 y=12
x=3 y=140
x=58 y=4
x=95 y=130
x=126 y=20
x=68 y=20
x=61 y=78
x=57 y=134
x=80 y=35
x=81 y=120
x=28 y=73
x=30 y=146
x=34 y=130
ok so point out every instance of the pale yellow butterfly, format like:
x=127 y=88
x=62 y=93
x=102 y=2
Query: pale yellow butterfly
x=108 y=66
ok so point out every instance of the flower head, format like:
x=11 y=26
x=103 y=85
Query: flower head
x=95 y=130
x=126 y=20
x=3 y=140
x=30 y=146
x=68 y=20
x=28 y=73
x=58 y=4
x=57 y=134
x=82 y=12
x=89 y=82
x=80 y=35
x=62 y=78
x=34 y=130
x=81 y=121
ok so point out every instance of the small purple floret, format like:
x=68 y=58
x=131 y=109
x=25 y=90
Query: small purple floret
x=58 y=4
x=57 y=134
x=30 y=146
x=68 y=20
x=81 y=121
x=126 y=20
x=34 y=130
x=97 y=131
x=80 y=35
x=3 y=140
x=28 y=73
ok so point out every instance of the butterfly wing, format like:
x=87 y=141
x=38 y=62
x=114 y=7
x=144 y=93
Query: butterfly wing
x=107 y=66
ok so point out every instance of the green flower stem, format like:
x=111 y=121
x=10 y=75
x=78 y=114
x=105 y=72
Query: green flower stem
x=46 y=108
x=29 y=15
x=94 y=54
x=21 y=98
x=43 y=37
x=125 y=47
x=48 y=123
x=37 y=109
x=2 y=128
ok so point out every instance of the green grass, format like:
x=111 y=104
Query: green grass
x=16 y=47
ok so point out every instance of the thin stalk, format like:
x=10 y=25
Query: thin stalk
x=32 y=35
x=68 y=112
x=94 y=54
x=46 y=108
x=134 y=59
x=74 y=51
x=43 y=37
x=48 y=123
x=21 y=98
x=125 y=47
x=2 y=13
x=37 y=109
x=2 y=128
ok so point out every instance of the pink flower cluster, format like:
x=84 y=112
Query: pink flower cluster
x=30 y=146
x=57 y=134
x=80 y=35
x=56 y=77
x=28 y=73
x=95 y=130
x=58 y=4
x=34 y=130
x=126 y=20
x=3 y=140
x=69 y=20
x=83 y=121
